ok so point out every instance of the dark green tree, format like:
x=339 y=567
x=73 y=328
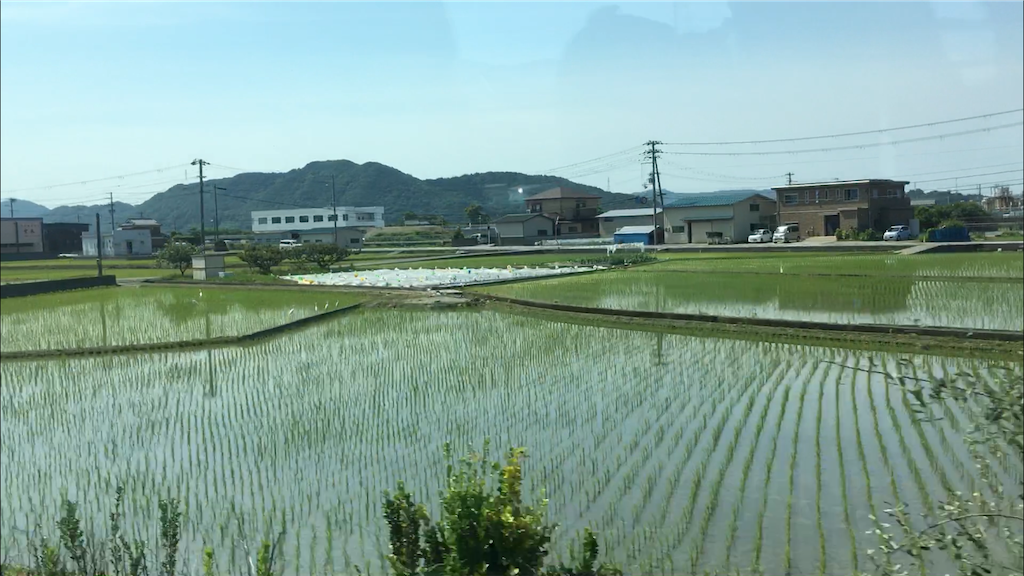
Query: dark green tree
x=177 y=256
x=262 y=257
x=322 y=255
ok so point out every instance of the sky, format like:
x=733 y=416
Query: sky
x=119 y=97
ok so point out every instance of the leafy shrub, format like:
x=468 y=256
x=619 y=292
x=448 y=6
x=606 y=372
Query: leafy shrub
x=322 y=255
x=951 y=223
x=177 y=256
x=484 y=528
x=262 y=257
x=869 y=235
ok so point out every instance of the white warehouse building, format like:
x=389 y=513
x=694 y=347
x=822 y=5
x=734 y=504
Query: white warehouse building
x=301 y=219
x=316 y=225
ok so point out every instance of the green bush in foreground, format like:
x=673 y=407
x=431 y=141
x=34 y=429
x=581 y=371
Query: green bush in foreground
x=484 y=529
x=980 y=531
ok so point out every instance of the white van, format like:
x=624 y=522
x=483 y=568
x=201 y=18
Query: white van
x=288 y=244
x=787 y=233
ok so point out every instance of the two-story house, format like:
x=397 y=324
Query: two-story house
x=821 y=208
x=574 y=212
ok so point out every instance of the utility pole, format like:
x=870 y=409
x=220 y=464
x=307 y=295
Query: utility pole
x=202 y=209
x=334 y=207
x=17 y=240
x=789 y=178
x=655 y=178
x=99 y=247
x=216 y=213
x=111 y=212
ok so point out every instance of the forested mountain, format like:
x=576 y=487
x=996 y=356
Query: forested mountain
x=369 y=184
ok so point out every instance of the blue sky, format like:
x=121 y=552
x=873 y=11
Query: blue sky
x=91 y=90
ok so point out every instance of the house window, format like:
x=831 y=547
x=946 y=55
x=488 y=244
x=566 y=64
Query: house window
x=289 y=219
x=790 y=199
x=344 y=217
x=755 y=207
x=353 y=240
x=580 y=204
x=318 y=241
x=852 y=194
x=542 y=232
x=318 y=218
x=534 y=208
x=572 y=229
x=874 y=192
x=890 y=193
x=332 y=217
x=275 y=220
x=682 y=227
x=262 y=220
x=303 y=218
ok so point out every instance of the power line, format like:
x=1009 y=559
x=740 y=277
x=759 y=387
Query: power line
x=962 y=169
x=854 y=146
x=968 y=176
x=631 y=149
x=847 y=134
x=120 y=176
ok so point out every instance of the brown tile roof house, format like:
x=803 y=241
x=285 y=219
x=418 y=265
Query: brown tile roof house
x=574 y=211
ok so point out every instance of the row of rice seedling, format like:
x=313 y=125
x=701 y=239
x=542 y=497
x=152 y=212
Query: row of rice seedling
x=665 y=445
x=121 y=316
x=964 y=265
x=903 y=301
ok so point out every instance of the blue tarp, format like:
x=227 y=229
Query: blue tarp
x=958 y=234
x=632 y=238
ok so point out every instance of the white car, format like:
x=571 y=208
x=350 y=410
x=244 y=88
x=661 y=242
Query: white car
x=897 y=233
x=288 y=244
x=759 y=236
x=786 y=233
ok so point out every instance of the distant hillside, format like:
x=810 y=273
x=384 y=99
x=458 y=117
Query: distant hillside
x=22 y=209
x=87 y=214
x=369 y=184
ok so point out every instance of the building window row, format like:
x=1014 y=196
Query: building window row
x=306 y=219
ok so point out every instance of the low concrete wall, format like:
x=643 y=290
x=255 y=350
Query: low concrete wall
x=47 y=286
x=26 y=256
x=965 y=333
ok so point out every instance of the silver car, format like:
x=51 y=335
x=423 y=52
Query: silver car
x=897 y=233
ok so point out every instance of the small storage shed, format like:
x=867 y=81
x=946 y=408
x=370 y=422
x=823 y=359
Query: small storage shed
x=634 y=235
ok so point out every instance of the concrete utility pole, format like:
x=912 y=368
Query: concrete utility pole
x=99 y=247
x=334 y=207
x=216 y=213
x=17 y=240
x=655 y=179
x=789 y=178
x=111 y=212
x=202 y=209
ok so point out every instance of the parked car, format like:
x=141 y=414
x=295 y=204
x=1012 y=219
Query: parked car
x=759 y=236
x=897 y=233
x=289 y=244
x=786 y=233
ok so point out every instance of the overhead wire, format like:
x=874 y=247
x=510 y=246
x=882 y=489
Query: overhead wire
x=848 y=134
x=631 y=149
x=92 y=181
x=853 y=146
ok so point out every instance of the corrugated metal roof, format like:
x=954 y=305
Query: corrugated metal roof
x=627 y=212
x=635 y=230
x=712 y=199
